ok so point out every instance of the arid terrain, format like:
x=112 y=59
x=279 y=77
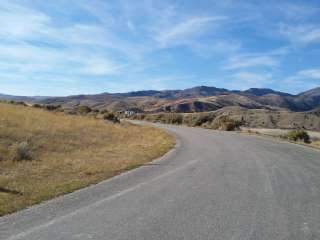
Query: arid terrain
x=251 y=118
x=45 y=154
x=197 y=99
x=263 y=108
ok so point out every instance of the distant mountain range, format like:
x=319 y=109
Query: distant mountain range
x=22 y=98
x=197 y=99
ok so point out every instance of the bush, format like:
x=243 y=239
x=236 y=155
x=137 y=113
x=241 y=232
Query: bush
x=84 y=109
x=52 y=107
x=104 y=111
x=139 y=116
x=36 y=105
x=21 y=152
x=111 y=117
x=21 y=103
x=173 y=118
x=199 y=120
x=226 y=124
x=298 y=135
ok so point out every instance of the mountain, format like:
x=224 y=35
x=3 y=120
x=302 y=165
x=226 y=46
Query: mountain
x=201 y=91
x=22 y=98
x=264 y=91
x=196 y=99
x=308 y=100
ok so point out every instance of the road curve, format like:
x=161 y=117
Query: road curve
x=214 y=185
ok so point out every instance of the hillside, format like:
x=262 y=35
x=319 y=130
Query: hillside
x=45 y=154
x=197 y=99
x=252 y=118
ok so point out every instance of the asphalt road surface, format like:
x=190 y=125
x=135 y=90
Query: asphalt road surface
x=214 y=185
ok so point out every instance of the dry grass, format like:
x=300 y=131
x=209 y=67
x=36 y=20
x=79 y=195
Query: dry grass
x=315 y=144
x=67 y=153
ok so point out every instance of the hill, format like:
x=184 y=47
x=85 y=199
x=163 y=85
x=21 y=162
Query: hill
x=197 y=99
x=252 y=118
x=45 y=154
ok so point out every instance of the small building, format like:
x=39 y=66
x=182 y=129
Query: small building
x=129 y=113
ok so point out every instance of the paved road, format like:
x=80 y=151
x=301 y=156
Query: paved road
x=214 y=185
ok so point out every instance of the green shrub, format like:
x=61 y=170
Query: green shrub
x=52 y=107
x=36 y=105
x=298 y=135
x=104 y=111
x=21 y=151
x=198 y=119
x=111 y=117
x=225 y=123
x=173 y=118
x=84 y=109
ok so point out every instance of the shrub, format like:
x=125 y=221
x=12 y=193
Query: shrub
x=36 y=105
x=21 y=151
x=52 y=107
x=104 y=111
x=139 y=116
x=226 y=124
x=298 y=135
x=173 y=118
x=21 y=103
x=111 y=117
x=199 y=120
x=84 y=109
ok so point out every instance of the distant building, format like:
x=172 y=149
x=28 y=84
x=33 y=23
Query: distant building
x=129 y=113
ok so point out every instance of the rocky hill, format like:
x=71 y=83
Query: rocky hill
x=250 y=118
x=197 y=99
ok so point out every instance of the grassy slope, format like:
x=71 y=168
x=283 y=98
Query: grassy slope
x=68 y=152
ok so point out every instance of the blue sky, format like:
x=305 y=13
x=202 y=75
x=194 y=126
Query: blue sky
x=65 y=47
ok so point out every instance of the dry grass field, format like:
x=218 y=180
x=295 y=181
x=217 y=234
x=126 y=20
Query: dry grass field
x=45 y=154
x=279 y=133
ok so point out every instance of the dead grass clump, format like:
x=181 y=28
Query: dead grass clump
x=316 y=143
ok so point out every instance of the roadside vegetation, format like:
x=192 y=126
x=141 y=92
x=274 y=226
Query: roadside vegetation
x=205 y=120
x=44 y=154
x=301 y=136
x=298 y=135
x=211 y=120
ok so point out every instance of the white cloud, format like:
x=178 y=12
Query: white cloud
x=20 y=22
x=244 y=80
x=99 y=67
x=310 y=73
x=253 y=78
x=240 y=61
x=21 y=26
x=185 y=30
x=27 y=60
x=304 y=79
x=131 y=26
x=302 y=34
